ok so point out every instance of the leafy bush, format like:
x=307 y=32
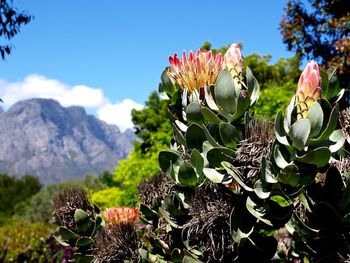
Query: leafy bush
x=22 y=239
x=13 y=191
x=38 y=208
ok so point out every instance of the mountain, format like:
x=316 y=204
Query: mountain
x=40 y=137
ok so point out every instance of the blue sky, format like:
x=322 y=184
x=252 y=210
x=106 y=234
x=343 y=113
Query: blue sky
x=115 y=51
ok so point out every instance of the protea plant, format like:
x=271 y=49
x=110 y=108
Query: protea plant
x=118 y=241
x=309 y=89
x=228 y=191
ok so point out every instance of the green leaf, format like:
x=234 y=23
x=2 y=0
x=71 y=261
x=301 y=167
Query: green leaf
x=331 y=125
x=225 y=92
x=67 y=233
x=299 y=133
x=82 y=220
x=168 y=157
x=166 y=84
x=187 y=175
x=188 y=259
x=193 y=113
x=256 y=211
x=241 y=225
x=148 y=212
x=197 y=161
x=307 y=173
x=218 y=154
x=288 y=119
x=281 y=201
x=289 y=175
x=210 y=116
x=338 y=138
x=180 y=139
x=266 y=173
x=61 y=241
x=231 y=170
x=315 y=116
x=81 y=258
x=229 y=134
x=279 y=129
x=243 y=103
x=278 y=157
x=319 y=157
x=260 y=190
x=83 y=241
x=209 y=137
x=213 y=175
x=253 y=86
x=195 y=136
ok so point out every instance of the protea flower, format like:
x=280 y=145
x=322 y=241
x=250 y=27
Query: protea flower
x=117 y=243
x=195 y=71
x=117 y=215
x=233 y=60
x=309 y=89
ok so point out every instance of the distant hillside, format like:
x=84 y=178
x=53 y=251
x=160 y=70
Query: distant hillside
x=42 y=138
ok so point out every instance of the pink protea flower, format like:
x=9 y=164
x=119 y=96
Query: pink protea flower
x=195 y=71
x=233 y=60
x=117 y=215
x=309 y=89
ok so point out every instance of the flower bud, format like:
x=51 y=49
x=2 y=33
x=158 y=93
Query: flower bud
x=233 y=60
x=117 y=215
x=309 y=89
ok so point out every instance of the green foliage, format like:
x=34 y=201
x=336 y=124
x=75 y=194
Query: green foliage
x=319 y=30
x=107 y=198
x=152 y=125
x=11 y=21
x=22 y=237
x=154 y=129
x=106 y=178
x=278 y=82
x=38 y=208
x=14 y=190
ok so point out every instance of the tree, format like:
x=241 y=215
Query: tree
x=321 y=32
x=11 y=21
x=13 y=191
x=154 y=129
x=277 y=82
x=38 y=207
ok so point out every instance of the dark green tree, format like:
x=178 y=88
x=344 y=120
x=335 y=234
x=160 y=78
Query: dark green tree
x=11 y=20
x=15 y=190
x=320 y=30
x=151 y=123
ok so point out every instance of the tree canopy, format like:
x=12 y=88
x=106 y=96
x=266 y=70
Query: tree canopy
x=11 y=20
x=319 y=30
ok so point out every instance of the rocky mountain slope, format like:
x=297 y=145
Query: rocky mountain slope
x=42 y=138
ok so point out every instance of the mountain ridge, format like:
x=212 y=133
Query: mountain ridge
x=55 y=143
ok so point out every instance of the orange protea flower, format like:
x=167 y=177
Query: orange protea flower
x=233 y=60
x=309 y=89
x=117 y=215
x=200 y=69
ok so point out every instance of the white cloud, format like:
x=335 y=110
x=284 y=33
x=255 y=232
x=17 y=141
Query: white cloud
x=118 y=113
x=37 y=86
